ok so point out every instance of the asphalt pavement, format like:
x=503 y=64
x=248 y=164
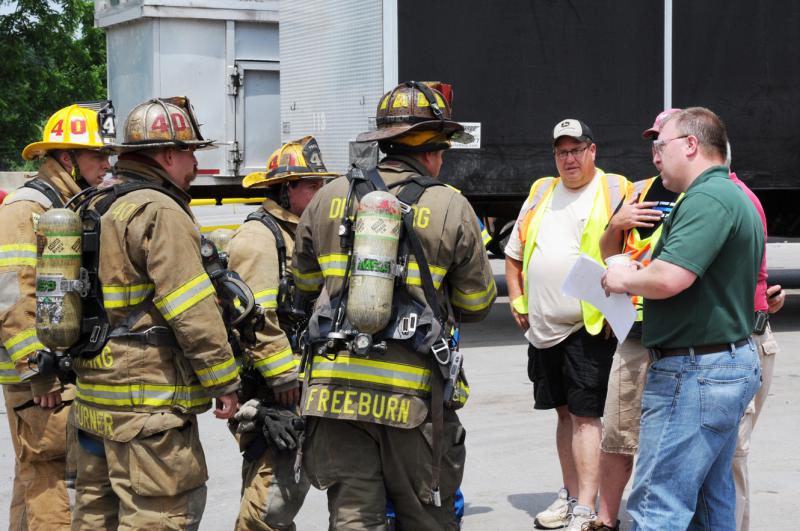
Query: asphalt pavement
x=512 y=471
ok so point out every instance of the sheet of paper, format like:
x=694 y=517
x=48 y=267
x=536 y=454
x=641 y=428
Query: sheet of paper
x=583 y=282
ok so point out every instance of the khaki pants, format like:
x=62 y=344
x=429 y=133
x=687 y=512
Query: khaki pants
x=623 y=410
x=270 y=496
x=39 y=498
x=362 y=464
x=153 y=482
x=767 y=348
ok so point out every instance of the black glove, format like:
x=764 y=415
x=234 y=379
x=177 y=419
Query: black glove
x=281 y=426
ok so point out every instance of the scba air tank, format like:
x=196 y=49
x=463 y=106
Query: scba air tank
x=58 y=268
x=377 y=234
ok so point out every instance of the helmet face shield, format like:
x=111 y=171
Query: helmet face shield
x=184 y=103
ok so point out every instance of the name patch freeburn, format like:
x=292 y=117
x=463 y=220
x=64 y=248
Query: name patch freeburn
x=367 y=405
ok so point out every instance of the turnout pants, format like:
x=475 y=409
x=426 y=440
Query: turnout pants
x=363 y=464
x=151 y=482
x=39 y=498
x=270 y=496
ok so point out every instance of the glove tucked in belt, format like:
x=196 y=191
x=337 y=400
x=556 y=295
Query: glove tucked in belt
x=281 y=426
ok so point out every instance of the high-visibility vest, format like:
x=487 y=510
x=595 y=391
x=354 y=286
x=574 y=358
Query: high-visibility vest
x=612 y=191
x=639 y=248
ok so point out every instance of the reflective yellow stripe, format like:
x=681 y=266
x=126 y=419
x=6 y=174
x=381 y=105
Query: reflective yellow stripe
x=267 y=298
x=311 y=281
x=474 y=301
x=463 y=393
x=277 y=363
x=219 y=374
x=413 y=278
x=365 y=370
x=333 y=265
x=485 y=237
x=22 y=344
x=185 y=296
x=143 y=395
x=122 y=296
x=8 y=374
x=17 y=254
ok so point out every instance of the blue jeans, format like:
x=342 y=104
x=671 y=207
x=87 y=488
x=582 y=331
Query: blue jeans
x=691 y=409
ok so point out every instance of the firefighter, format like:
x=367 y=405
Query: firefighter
x=73 y=156
x=140 y=462
x=378 y=427
x=270 y=496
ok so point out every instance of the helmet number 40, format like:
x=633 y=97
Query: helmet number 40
x=160 y=123
x=76 y=127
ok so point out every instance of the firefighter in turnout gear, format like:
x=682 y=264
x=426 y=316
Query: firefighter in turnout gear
x=73 y=156
x=378 y=427
x=140 y=462
x=270 y=495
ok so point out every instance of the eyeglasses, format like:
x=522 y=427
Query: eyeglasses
x=659 y=145
x=577 y=153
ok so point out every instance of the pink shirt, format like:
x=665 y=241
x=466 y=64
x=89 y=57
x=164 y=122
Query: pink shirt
x=761 y=287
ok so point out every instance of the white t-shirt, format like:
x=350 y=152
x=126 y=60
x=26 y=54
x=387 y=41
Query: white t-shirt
x=552 y=315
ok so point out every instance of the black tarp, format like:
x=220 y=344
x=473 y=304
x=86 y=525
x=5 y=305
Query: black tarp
x=519 y=67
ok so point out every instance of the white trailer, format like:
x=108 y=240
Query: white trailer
x=222 y=54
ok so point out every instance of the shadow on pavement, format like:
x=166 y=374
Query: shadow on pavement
x=532 y=502
x=470 y=509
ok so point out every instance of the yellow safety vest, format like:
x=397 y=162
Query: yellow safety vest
x=639 y=248
x=612 y=190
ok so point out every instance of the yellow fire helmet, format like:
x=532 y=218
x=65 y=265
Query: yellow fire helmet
x=298 y=159
x=87 y=125
x=162 y=122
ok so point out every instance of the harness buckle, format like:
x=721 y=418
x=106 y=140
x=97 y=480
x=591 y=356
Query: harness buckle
x=408 y=324
x=439 y=347
x=151 y=335
x=97 y=332
x=404 y=208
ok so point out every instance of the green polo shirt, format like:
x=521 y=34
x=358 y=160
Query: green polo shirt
x=715 y=232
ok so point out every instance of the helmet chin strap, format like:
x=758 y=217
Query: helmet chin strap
x=76 y=171
x=283 y=196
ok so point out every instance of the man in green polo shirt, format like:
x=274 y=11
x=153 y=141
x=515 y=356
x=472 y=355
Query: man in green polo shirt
x=698 y=316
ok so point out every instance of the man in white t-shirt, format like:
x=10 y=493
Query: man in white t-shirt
x=569 y=356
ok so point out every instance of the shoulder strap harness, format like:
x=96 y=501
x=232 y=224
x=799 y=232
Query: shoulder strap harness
x=286 y=294
x=449 y=364
x=91 y=205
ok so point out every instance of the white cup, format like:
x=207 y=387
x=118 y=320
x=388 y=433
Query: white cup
x=620 y=259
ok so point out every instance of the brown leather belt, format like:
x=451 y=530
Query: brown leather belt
x=698 y=351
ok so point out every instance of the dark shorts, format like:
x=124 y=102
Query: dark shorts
x=573 y=373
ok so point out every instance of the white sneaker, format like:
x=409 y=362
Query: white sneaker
x=558 y=514
x=581 y=516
